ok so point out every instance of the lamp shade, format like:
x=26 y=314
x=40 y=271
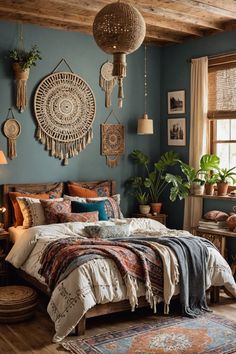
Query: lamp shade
x=145 y=125
x=3 y=160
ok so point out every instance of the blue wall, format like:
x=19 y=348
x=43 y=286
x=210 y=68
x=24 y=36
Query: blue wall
x=175 y=75
x=33 y=163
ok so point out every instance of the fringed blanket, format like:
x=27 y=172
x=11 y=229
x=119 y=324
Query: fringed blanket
x=134 y=261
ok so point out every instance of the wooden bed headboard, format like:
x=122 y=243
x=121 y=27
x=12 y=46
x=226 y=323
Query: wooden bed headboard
x=38 y=188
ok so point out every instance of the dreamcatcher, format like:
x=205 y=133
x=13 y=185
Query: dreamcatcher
x=112 y=141
x=64 y=106
x=12 y=130
x=107 y=81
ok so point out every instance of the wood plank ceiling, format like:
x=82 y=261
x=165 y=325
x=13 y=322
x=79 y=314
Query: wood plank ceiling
x=168 y=21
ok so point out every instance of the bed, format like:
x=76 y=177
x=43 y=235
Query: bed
x=89 y=290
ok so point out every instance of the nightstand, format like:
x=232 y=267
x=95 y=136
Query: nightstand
x=4 y=249
x=159 y=217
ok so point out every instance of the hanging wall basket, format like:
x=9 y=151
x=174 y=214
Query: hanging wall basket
x=64 y=107
x=21 y=76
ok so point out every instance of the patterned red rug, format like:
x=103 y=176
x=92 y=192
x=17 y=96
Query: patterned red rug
x=173 y=335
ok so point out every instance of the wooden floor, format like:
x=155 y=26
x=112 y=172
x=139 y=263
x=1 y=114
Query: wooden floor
x=35 y=335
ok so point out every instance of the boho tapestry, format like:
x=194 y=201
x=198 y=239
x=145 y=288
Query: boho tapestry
x=64 y=106
x=112 y=143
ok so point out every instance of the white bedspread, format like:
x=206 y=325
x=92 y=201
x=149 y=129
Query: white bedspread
x=98 y=281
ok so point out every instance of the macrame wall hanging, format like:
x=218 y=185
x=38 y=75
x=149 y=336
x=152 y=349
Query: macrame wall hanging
x=107 y=81
x=12 y=130
x=64 y=106
x=112 y=141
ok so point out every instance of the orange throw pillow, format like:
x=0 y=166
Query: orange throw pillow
x=17 y=212
x=77 y=191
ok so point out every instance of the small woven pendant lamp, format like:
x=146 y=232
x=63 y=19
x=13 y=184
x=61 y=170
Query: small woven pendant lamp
x=119 y=29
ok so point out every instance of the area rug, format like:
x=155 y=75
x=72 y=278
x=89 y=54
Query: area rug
x=174 y=335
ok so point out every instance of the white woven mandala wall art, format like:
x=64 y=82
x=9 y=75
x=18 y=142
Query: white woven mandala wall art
x=65 y=108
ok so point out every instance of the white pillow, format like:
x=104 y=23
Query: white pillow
x=145 y=224
x=74 y=199
x=32 y=211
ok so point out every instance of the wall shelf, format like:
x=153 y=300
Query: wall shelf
x=223 y=197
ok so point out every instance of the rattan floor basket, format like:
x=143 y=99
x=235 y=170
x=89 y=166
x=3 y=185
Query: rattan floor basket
x=17 y=303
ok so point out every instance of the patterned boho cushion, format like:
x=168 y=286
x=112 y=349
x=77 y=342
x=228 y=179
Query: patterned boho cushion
x=32 y=211
x=78 y=191
x=91 y=216
x=53 y=207
x=108 y=231
x=112 y=205
x=18 y=217
x=103 y=189
x=216 y=215
x=75 y=199
x=99 y=206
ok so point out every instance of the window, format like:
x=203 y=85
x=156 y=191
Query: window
x=222 y=108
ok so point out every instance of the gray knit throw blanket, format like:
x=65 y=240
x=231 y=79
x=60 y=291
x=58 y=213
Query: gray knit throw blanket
x=192 y=254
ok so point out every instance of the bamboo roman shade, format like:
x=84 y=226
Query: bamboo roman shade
x=222 y=87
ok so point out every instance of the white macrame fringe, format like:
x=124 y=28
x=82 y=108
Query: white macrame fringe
x=64 y=150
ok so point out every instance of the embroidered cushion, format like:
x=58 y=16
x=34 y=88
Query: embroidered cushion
x=78 y=191
x=18 y=217
x=32 y=212
x=103 y=189
x=91 y=216
x=108 y=231
x=216 y=215
x=99 y=206
x=112 y=205
x=53 y=207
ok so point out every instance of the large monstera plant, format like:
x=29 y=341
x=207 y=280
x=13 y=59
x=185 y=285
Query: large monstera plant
x=153 y=180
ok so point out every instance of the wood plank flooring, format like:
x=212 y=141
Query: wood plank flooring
x=35 y=335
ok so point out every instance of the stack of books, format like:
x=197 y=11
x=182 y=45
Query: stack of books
x=210 y=224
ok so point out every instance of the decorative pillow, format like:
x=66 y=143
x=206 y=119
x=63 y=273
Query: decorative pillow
x=91 y=216
x=108 y=231
x=18 y=217
x=53 y=207
x=75 y=199
x=216 y=215
x=78 y=191
x=99 y=206
x=111 y=205
x=103 y=189
x=32 y=211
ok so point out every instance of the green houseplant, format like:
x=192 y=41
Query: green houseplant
x=182 y=186
x=222 y=179
x=154 y=174
x=22 y=62
x=135 y=187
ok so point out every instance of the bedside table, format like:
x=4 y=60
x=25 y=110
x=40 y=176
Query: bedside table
x=4 y=249
x=159 y=217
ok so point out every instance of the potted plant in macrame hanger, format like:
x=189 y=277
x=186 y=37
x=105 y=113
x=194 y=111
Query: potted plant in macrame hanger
x=22 y=62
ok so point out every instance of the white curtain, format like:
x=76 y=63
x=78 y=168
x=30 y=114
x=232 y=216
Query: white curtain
x=198 y=145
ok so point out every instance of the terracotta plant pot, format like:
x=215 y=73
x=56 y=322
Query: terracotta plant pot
x=222 y=188
x=156 y=208
x=144 y=209
x=209 y=189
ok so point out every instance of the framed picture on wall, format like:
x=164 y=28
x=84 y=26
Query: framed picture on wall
x=176 y=102
x=177 y=131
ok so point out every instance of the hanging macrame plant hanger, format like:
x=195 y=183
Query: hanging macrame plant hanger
x=12 y=130
x=112 y=141
x=64 y=106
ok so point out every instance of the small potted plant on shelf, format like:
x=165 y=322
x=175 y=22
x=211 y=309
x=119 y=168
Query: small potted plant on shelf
x=135 y=187
x=153 y=179
x=223 y=177
x=192 y=181
x=22 y=62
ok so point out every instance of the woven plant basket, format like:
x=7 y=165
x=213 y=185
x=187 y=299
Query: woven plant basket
x=21 y=77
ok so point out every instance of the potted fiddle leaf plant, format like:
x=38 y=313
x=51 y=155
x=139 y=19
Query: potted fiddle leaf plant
x=222 y=181
x=154 y=175
x=22 y=62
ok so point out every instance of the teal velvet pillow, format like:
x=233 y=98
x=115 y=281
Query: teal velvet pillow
x=78 y=207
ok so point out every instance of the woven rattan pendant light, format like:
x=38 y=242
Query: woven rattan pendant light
x=145 y=125
x=119 y=29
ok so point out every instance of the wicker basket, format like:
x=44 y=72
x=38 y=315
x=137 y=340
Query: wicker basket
x=17 y=303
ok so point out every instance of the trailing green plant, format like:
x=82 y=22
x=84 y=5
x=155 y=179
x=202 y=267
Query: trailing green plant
x=154 y=181
x=25 y=59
